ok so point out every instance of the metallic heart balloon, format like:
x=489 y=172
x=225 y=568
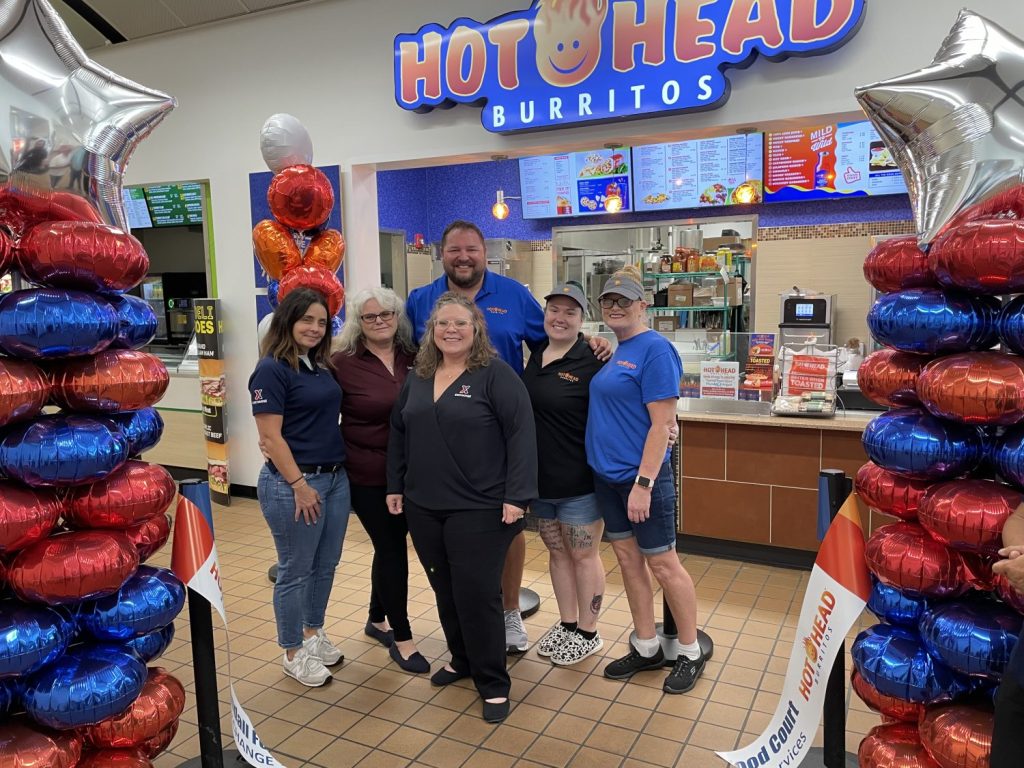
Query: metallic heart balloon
x=27 y=515
x=915 y=444
x=958 y=735
x=928 y=321
x=893 y=745
x=159 y=743
x=984 y=257
x=149 y=600
x=74 y=566
x=974 y=388
x=275 y=248
x=82 y=256
x=31 y=636
x=889 y=377
x=159 y=705
x=301 y=197
x=893 y=661
x=887 y=706
x=320 y=280
x=137 y=320
x=272 y=288
x=149 y=537
x=1007 y=456
x=890 y=493
x=142 y=428
x=131 y=495
x=1011 y=325
x=24 y=390
x=114 y=758
x=85 y=686
x=284 y=141
x=152 y=646
x=326 y=250
x=972 y=637
x=113 y=380
x=1007 y=593
x=23 y=744
x=62 y=451
x=893 y=607
x=968 y=515
x=896 y=264
x=7 y=253
x=904 y=556
x=49 y=323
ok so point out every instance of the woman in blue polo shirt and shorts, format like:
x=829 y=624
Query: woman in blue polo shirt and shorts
x=632 y=410
x=303 y=489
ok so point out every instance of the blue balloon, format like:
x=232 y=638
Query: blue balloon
x=893 y=607
x=142 y=428
x=63 y=451
x=1007 y=455
x=928 y=321
x=272 y=288
x=86 y=685
x=31 y=636
x=153 y=645
x=137 y=322
x=8 y=696
x=913 y=443
x=149 y=600
x=336 y=325
x=893 y=660
x=974 y=638
x=47 y=323
x=1011 y=325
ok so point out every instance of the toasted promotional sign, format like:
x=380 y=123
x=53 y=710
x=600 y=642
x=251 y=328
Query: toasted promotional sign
x=562 y=62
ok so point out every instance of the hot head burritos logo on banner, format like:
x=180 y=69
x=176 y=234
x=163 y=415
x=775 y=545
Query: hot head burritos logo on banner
x=561 y=62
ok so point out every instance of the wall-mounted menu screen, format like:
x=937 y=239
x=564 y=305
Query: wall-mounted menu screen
x=135 y=208
x=830 y=161
x=172 y=205
x=575 y=183
x=694 y=174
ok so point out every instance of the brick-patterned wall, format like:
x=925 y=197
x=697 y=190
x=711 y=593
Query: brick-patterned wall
x=828 y=231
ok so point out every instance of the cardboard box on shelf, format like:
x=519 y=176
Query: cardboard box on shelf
x=664 y=324
x=680 y=295
x=714 y=243
x=731 y=291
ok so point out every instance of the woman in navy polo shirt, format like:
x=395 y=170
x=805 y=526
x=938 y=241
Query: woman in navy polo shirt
x=303 y=489
x=632 y=409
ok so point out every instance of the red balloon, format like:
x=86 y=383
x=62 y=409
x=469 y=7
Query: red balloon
x=895 y=745
x=27 y=515
x=23 y=745
x=904 y=556
x=318 y=279
x=1008 y=594
x=985 y=257
x=301 y=197
x=115 y=758
x=156 y=708
x=134 y=493
x=275 y=248
x=896 y=264
x=958 y=735
x=974 y=388
x=148 y=537
x=73 y=566
x=969 y=514
x=889 y=377
x=888 y=706
x=6 y=252
x=113 y=380
x=890 y=493
x=83 y=256
x=160 y=742
x=21 y=209
x=24 y=390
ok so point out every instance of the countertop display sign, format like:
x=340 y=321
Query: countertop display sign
x=565 y=62
x=719 y=380
x=210 y=344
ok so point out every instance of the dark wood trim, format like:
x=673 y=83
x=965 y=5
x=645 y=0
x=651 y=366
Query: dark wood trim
x=760 y=554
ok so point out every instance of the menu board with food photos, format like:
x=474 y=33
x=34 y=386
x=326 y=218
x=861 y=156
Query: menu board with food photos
x=575 y=183
x=693 y=174
x=830 y=161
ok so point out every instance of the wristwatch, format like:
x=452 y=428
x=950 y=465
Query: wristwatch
x=643 y=482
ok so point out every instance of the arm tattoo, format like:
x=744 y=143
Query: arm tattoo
x=595 y=604
x=550 y=534
x=579 y=536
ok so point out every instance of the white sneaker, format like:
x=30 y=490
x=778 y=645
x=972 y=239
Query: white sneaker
x=553 y=640
x=306 y=669
x=322 y=649
x=575 y=649
x=516 y=640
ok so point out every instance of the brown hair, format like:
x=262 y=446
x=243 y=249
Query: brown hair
x=460 y=224
x=480 y=354
x=279 y=343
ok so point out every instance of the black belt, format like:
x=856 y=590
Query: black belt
x=313 y=469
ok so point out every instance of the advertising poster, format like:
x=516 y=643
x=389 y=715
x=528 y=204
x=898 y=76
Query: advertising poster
x=575 y=184
x=719 y=381
x=760 y=362
x=210 y=345
x=807 y=373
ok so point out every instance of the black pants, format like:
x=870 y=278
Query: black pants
x=1008 y=734
x=463 y=553
x=389 y=577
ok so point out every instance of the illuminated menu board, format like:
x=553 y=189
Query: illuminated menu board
x=829 y=161
x=694 y=174
x=173 y=205
x=574 y=184
x=135 y=208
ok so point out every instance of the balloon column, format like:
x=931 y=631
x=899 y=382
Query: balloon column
x=948 y=460
x=293 y=248
x=80 y=617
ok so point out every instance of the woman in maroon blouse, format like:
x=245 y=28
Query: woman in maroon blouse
x=374 y=353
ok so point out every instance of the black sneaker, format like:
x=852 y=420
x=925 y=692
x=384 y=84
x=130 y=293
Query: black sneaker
x=684 y=674
x=633 y=662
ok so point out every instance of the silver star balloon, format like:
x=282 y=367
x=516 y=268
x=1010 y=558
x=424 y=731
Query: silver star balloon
x=956 y=127
x=71 y=126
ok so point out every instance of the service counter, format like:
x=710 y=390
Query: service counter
x=181 y=409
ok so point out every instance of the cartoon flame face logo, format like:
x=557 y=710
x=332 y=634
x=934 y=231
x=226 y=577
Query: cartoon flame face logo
x=568 y=35
x=812 y=650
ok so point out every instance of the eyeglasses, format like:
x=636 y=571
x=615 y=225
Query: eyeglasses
x=372 y=317
x=460 y=325
x=607 y=302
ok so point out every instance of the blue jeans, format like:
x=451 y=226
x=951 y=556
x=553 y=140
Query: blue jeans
x=654 y=535
x=307 y=555
x=572 y=510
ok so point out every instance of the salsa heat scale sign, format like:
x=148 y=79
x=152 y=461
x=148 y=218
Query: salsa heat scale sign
x=562 y=62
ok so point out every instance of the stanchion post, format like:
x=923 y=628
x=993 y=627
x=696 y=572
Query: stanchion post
x=204 y=665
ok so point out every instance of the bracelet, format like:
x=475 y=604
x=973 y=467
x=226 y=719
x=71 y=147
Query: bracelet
x=296 y=480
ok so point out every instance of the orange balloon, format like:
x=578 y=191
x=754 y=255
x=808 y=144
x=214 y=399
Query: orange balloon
x=275 y=248
x=326 y=250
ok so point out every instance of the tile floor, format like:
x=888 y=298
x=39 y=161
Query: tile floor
x=373 y=715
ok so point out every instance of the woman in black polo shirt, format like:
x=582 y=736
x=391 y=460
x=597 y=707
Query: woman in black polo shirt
x=303 y=489
x=558 y=380
x=462 y=466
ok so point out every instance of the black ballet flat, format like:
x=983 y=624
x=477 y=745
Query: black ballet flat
x=496 y=712
x=444 y=677
x=382 y=637
x=415 y=663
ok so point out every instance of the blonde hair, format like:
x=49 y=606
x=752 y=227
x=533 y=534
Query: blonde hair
x=480 y=354
x=630 y=272
x=352 y=331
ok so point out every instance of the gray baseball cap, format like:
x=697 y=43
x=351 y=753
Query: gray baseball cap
x=570 y=290
x=625 y=287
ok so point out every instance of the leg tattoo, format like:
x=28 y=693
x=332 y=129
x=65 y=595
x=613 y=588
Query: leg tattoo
x=579 y=536
x=550 y=534
x=595 y=604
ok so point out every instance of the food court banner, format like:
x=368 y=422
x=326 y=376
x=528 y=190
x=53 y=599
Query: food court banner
x=836 y=594
x=210 y=343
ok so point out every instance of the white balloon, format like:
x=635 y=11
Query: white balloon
x=284 y=141
x=263 y=327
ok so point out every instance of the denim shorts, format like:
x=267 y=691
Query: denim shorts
x=572 y=510
x=654 y=535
